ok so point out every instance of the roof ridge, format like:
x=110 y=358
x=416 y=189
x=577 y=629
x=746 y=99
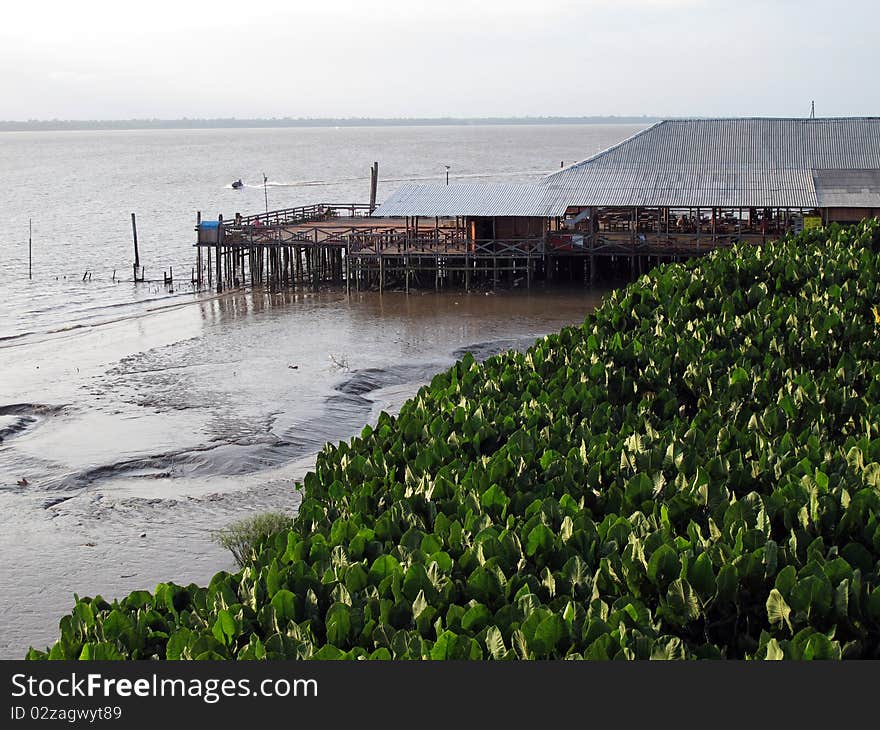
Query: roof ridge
x=607 y=150
x=772 y=119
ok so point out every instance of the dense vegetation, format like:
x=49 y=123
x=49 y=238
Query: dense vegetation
x=693 y=472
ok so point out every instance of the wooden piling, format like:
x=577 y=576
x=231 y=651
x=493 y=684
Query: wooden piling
x=374 y=182
x=219 y=256
x=134 y=235
x=199 y=251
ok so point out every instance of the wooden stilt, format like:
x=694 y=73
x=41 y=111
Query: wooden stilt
x=219 y=257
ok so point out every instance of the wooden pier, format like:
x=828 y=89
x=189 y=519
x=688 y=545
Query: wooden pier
x=341 y=244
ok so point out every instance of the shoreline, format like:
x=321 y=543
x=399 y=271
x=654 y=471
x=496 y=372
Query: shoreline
x=122 y=492
x=162 y=539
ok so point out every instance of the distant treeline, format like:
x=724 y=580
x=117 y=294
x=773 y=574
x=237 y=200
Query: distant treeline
x=185 y=123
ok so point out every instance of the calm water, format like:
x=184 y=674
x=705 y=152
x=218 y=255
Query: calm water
x=134 y=420
x=80 y=189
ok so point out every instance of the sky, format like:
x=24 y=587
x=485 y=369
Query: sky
x=97 y=59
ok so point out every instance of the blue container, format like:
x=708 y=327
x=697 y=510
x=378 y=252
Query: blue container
x=209 y=232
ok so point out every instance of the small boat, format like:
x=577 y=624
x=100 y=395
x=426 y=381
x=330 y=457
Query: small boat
x=237 y=184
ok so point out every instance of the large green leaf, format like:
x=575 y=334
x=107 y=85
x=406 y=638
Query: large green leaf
x=338 y=624
x=663 y=566
x=452 y=646
x=778 y=610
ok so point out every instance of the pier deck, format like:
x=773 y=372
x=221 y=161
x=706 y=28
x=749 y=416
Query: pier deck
x=341 y=244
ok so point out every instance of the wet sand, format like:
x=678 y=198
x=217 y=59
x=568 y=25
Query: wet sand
x=125 y=444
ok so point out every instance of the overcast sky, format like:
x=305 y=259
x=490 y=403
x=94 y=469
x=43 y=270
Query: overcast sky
x=97 y=59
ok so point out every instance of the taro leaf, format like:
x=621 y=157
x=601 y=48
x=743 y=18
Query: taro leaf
x=778 y=610
x=61 y=651
x=635 y=614
x=100 y=651
x=520 y=645
x=420 y=604
x=841 y=600
x=858 y=557
x=383 y=566
x=602 y=648
x=273 y=578
x=495 y=643
x=452 y=646
x=423 y=614
x=485 y=586
x=356 y=578
x=495 y=500
x=548 y=458
x=539 y=541
x=338 y=624
x=328 y=652
x=663 y=566
x=548 y=582
x=443 y=560
x=407 y=645
x=225 y=628
x=254 y=650
x=669 y=648
x=416 y=580
x=476 y=617
x=786 y=580
x=284 y=603
x=430 y=544
x=210 y=656
x=549 y=634
x=811 y=645
x=701 y=576
x=118 y=626
x=682 y=605
x=774 y=651
x=812 y=597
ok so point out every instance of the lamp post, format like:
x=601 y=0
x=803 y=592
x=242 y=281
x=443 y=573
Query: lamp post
x=447 y=174
x=266 y=195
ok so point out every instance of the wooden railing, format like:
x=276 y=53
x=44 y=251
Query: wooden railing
x=399 y=242
x=611 y=243
x=300 y=214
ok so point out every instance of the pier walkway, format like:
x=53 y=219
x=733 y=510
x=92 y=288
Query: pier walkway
x=341 y=244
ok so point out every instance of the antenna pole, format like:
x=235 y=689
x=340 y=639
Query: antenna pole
x=266 y=196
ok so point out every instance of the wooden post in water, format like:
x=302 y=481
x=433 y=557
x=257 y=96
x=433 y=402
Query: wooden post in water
x=219 y=257
x=198 y=250
x=30 y=248
x=374 y=182
x=134 y=235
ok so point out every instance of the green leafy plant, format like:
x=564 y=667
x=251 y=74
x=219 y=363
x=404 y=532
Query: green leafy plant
x=692 y=473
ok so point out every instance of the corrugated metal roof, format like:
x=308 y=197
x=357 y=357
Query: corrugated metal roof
x=688 y=187
x=753 y=162
x=848 y=188
x=752 y=143
x=476 y=199
x=723 y=162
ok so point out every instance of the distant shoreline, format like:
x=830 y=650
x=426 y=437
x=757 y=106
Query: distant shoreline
x=55 y=125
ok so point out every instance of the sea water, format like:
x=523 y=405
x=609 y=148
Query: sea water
x=137 y=418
